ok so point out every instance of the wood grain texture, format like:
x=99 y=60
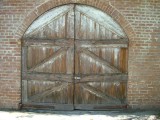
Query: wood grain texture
x=53 y=25
x=100 y=106
x=89 y=27
x=47 y=106
x=111 y=68
x=57 y=92
x=113 y=43
x=24 y=91
x=48 y=77
x=104 y=78
x=24 y=59
x=51 y=59
x=75 y=57
x=100 y=61
x=47 y=42
x=99 y=93
x=48 y=92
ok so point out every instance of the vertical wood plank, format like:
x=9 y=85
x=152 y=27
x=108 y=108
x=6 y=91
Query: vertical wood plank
x=77 y=24
x=69 y=60
x=77 y=67
x=24 y=59
x=24 y=91
x=97 y=27
x=24 y=71
x=70 y=24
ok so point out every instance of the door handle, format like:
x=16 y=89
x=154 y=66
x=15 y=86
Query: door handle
x=77 y=78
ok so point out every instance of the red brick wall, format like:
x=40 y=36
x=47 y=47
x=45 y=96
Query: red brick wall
x=144 y=51
x=140 y=19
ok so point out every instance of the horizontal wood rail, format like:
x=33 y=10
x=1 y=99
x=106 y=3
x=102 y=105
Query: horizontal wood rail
x=47 y=42
x=112 y=43
x=47 y=106
x=113 y=77
x=47 y=77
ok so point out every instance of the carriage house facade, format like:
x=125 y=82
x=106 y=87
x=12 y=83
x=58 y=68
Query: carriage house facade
x=79 y=54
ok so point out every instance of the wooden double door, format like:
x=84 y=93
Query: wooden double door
x=72 y=60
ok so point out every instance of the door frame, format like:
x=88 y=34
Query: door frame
x=109 y=107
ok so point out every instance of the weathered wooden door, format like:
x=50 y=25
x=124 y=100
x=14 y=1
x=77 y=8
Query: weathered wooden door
x=74 y=57
x=100 y=62
x=48 y=61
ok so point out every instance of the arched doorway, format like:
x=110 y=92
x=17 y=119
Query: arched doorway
x=74 y=57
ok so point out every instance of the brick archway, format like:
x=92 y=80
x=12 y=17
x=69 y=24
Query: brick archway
x=102 y=5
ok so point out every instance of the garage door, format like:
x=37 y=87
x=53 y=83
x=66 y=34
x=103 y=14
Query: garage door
x=74 y=57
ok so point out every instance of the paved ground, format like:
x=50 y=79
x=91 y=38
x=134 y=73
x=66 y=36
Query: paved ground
x=79 y=115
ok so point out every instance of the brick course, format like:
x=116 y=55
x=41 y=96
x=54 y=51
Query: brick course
x=140 y=19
